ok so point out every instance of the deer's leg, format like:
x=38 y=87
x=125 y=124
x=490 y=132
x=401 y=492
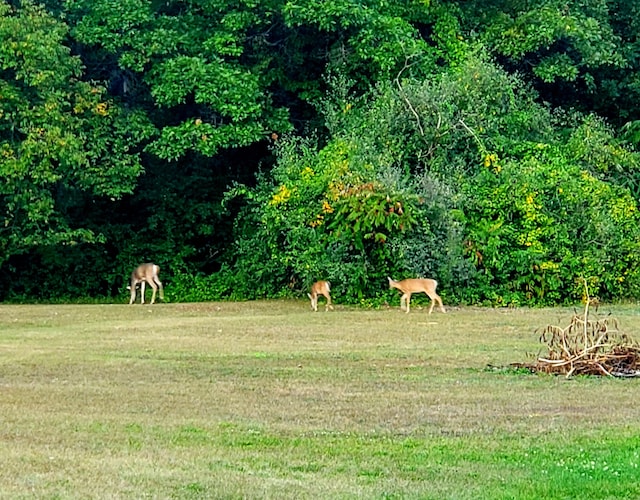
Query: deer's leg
x=142 y=285
x=314 y=303
x=407 y=299
x=133 y=293
x=328 y=306
x=441 y=304
x=435 y=298
x=433 y=302
x=154 y=287
x=159 y=283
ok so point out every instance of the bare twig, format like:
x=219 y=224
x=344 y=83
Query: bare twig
x=406 y=99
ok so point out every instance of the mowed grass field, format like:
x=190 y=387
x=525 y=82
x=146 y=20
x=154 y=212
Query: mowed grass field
x=267 y=399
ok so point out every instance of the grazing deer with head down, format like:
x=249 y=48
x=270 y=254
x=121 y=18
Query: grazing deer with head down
x=145 y=273
x=417 y=285
x=320 y=288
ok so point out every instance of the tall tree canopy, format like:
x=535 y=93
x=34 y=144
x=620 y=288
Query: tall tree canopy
x=63 y=139
x=577 y=53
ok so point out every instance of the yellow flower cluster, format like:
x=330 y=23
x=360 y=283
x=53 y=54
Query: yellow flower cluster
x=318 y=222
x=101 y=109
x=492 y=161
x=282 y=196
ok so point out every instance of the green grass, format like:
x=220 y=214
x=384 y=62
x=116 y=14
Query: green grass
x=270 y=400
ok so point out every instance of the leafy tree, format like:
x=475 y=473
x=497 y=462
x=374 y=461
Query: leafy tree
x=577 y=53
x=540 y=223
x=193 y=60
x=594 y=146
x=63 y=142
x=224 y=74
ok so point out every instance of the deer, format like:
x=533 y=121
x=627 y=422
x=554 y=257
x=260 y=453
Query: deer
x=320 y=288
x=417 y=285
x=145 y=273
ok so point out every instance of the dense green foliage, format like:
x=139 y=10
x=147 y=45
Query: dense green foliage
x=250 y=148
x=497 y=211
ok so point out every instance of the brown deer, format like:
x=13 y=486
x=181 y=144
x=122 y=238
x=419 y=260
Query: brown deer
x=417 y=285
x=145 y=273
x=320 y=288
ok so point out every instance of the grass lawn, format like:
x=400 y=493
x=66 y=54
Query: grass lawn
x=268 y=399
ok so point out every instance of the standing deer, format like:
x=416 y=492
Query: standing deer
x=320 y=288
x=145 y=273
x=417 y=285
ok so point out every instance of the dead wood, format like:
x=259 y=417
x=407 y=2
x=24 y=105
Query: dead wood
x=588 y=346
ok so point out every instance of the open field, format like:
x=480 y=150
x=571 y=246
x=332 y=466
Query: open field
x=270 y=400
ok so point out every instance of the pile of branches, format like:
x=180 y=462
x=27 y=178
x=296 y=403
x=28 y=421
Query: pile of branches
x=589 y=347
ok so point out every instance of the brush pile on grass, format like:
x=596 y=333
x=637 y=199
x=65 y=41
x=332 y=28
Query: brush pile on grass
x=589 y=347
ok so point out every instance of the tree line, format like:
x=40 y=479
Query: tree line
x=251 y=148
